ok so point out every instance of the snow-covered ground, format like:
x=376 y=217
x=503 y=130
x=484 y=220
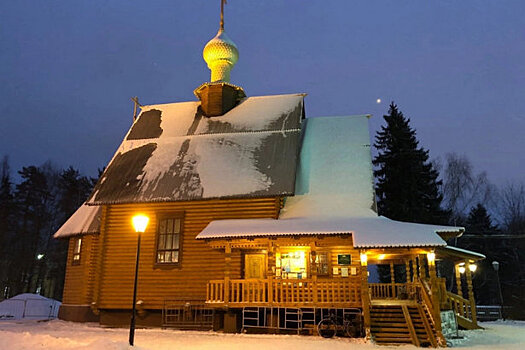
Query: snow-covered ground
x=62 y=335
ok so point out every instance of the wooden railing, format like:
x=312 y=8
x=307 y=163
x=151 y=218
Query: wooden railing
x=460 y=305
x=285 y=292
x=391 y=290
x=429 y=301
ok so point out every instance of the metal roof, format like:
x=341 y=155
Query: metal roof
x=367 y=232
x=174 y=153
x=86 y=220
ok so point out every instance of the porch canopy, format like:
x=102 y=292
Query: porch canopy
x=456 y=254
x=367 y=232
x=86 y=220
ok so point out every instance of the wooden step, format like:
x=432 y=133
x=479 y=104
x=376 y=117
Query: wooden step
x=389 y=330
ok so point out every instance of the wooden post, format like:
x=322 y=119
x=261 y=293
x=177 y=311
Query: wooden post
x=458 y=281
x=313 y=272
x=365 y=298
x=471 y=296
x=393 y=279
x=270 y=271
x=424 y=273
x=417 y=261
x=227 y=261
x=435 y=294
x=407 y=267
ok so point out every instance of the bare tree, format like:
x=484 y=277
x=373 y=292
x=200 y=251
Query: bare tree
x=462 y=188
x=512 y=207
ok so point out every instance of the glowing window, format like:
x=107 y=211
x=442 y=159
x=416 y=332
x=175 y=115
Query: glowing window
x=77 y=248
x=168 y=240
x=293 y=264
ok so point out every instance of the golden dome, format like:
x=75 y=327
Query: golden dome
x=221 y=54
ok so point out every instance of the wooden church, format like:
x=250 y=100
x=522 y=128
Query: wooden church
x=260 y=219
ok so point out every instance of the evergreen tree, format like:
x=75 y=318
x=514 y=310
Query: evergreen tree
x=6 y=226
x=72 y=190
x=34 y=202
x=479 y=221
x=407 y=186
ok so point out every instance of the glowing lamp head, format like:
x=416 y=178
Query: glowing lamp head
x=364 y=259
x=461 y=269
x=140 y=222
x=472 y=267
x=431 y=257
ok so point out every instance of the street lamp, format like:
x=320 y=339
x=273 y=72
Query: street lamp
x=495 y=265
x=140 y=222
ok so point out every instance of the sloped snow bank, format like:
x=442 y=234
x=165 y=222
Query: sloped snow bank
x=62 y=335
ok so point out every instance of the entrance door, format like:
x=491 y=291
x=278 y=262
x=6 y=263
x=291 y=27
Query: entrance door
x=254 y=265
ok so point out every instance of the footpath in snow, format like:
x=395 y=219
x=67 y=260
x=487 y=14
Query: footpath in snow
x=62 y=335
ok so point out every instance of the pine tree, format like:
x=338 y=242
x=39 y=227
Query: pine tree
x=34 y=202
x=479 y=221
x=407 y=183
x=7 y=209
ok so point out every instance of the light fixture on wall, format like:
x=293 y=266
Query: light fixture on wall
x=364 y=259
x=431 y=257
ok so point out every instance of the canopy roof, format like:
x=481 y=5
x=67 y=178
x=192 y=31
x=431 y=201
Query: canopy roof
x=86 y=220
x=458 y=254
x=367 y=232
x=175 y=153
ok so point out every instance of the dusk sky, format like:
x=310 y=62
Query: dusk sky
x=456 y=68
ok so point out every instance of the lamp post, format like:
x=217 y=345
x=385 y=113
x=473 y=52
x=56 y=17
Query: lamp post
x=495 y=265
x=140 y=222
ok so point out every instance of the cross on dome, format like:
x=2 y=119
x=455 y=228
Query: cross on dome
x=221 y=53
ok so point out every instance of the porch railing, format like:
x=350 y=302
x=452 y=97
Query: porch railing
x=460 y=305
x=391 y=290
x=285 y=292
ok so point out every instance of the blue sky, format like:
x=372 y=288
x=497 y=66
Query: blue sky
x=456 y=68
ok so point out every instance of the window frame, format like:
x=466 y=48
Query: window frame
x=74 y=254
x=327 y=263
x=159 y=218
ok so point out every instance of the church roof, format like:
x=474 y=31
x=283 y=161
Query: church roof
x=86 y=220
x=334 y=194
x=174 y=153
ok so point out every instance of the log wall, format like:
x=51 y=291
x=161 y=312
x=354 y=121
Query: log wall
x=78 y=285
x=199 y=263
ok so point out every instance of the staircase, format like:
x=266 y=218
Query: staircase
x=397 y=324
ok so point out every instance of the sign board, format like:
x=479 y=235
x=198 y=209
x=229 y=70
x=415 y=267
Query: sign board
x=344 y=259
x=449 y=324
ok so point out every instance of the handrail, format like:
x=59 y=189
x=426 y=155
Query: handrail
x=284 y=291
x=424 y=291
x=460 y=305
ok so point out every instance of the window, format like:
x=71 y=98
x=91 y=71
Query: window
x=77 y=248
x=322 y=263
x=168 y=241
x=293 y=264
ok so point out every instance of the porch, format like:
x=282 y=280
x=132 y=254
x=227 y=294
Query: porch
x=296 y=293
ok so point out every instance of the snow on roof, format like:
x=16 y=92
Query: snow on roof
x=368 y=232
x=173 y=153
x=334 y=194
x=86 y=220
x=28 y=296
x=334 y=176
x=455 y=250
